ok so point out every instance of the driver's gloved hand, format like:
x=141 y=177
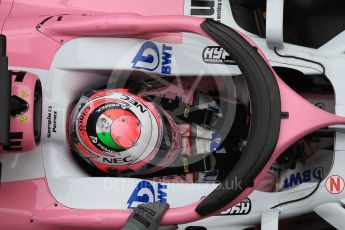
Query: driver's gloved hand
x=147 y=217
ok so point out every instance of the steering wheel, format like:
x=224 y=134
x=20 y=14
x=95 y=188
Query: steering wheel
x=279 y=116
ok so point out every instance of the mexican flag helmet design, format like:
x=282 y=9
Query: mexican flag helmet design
x=123 y=134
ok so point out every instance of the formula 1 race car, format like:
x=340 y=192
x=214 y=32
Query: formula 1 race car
x=199 y=104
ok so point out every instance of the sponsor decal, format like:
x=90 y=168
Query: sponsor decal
x=242 y=208
x=15 y=143
x=117 y=160
x=146 y=192
x=115 y=105
x=215 y=141
x=207 y=9
x=51 y=119
x=216 y=55
x=302 y=177
x=210 y=176
x=335 y=184
x=150 y=57
x=137 y=104
x=94 y=139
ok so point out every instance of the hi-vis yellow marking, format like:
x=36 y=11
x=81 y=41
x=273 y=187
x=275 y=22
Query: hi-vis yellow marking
x=186 y=111
x=23 y=94
x=185 y=165
x=23 y=118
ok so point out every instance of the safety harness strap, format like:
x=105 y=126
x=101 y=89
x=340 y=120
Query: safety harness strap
x=184 y=112
x=186 y=164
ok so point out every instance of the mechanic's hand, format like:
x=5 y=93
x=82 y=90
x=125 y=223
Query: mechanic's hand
x=147 y=217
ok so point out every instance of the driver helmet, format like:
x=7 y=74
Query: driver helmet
x=123 y=134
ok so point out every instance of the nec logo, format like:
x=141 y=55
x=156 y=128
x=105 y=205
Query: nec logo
x=144 y=192
x=149 y=57
x=216 y=55
x=302 y=177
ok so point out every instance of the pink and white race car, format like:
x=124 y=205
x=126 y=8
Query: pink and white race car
x=197 y=103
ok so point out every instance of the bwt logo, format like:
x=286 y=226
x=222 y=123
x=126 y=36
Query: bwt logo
x=302 y=177
x=144 y=192
x=149 y=58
